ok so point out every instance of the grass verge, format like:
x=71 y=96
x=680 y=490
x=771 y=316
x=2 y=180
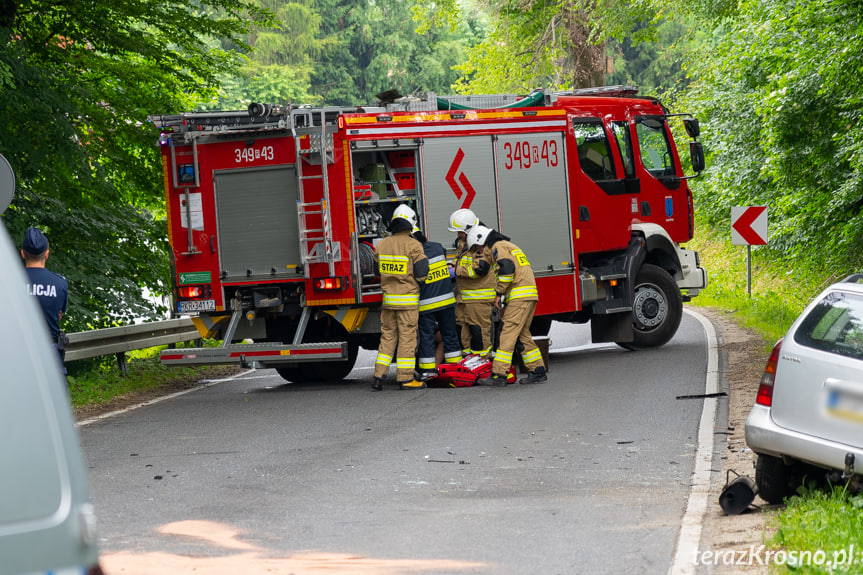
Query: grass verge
x=819 y=532
x=777 y=293
x=103 y=384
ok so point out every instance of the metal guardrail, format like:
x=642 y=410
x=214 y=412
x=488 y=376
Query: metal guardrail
x=118 y=340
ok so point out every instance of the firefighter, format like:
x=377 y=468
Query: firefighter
x=475 y=288
x=403 y=267
x=516 y=286
x=436 y=310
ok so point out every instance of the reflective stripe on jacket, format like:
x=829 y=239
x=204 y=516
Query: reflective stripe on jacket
x=437 y=291
x=403 y=267
x=515 y=278
x=473 y=277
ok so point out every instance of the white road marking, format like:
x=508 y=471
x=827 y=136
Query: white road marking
x=696 y=507
x=204 y=384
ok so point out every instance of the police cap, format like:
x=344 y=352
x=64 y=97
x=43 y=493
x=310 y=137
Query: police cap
x=35 y=242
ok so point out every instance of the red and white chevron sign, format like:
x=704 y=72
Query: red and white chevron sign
x=748 y=225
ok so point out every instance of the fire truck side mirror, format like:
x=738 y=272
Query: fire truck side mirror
x=696 y=152
x=692 y=128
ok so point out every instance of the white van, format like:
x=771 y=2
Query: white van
x=47 y=522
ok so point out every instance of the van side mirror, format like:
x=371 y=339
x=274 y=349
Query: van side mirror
x=696 y=153
x=692 y=128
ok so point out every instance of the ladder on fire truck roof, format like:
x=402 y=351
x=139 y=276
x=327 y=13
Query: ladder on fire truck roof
x=316 y=243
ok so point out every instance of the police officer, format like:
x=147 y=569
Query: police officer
x=50 y=289
x=436 y=311
x=516 y=286
x=474 y=287
x=403 y=266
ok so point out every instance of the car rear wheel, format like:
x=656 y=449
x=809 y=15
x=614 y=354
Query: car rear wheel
x=774 y=479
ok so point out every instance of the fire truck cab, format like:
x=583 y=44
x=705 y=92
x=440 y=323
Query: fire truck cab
x=274 y=213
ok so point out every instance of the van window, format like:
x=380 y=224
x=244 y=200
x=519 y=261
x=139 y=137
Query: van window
x=594 y=150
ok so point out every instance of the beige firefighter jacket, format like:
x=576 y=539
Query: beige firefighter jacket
x=403 y=265
x=515 y=280
x=474 y=275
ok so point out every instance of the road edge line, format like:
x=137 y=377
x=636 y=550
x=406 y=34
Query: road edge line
x=205 y=385
x=689 y=536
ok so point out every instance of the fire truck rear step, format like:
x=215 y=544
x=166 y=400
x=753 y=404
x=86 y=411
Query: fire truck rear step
x=259 y=355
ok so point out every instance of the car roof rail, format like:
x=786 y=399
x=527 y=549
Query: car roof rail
x=853 y=279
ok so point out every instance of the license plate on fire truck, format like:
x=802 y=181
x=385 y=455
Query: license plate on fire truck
x=197 y=305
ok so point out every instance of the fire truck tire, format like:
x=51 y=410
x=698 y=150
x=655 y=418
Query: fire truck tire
x=320 y=331
x=292 y=373
x=320 y=371
x=656 y=308
x=540 y=326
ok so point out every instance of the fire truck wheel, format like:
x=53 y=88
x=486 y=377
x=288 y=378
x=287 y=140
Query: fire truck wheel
x=321 y=370
x=540 y=325
x=656 y=308
x=320 y=331
x=292 y=373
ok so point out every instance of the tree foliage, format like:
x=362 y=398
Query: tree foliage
x=545 y=43
x=373 y=46
x=781 y=96
x=340 y=52
x=77 y=81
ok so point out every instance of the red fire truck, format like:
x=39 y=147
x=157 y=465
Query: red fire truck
x=274 y=213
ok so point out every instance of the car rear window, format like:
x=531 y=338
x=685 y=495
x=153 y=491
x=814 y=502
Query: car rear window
x=834 y=325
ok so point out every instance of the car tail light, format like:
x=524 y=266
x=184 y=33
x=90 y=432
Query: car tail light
x=765 y=388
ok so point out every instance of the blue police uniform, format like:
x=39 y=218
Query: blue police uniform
x=49 y=288
x=52 y=291
x=437 y=312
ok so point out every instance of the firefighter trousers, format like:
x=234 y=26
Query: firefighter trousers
x=475 y=327
x=399 y=339
x=516 y=328
x=429 y=323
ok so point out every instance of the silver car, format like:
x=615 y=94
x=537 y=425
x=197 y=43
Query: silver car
x=47 y=522
x=809 y=407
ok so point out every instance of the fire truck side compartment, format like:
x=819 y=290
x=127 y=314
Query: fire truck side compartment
x=257 y=220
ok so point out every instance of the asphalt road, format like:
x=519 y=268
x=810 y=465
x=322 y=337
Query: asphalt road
x=588 y=473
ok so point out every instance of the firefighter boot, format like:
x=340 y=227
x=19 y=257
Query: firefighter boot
x=377 y=384
x=494 y=381
x=536 y=376
x=413 y=384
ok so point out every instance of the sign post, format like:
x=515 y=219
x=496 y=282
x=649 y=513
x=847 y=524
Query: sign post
x=748 y=228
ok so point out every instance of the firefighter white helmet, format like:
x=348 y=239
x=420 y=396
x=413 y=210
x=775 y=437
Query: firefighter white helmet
x=477 y=235
x=407 y=213
x=462 y=220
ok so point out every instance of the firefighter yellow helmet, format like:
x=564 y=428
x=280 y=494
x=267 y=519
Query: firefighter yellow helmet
x=407 y=213
x=462 y=220
x=477 y=235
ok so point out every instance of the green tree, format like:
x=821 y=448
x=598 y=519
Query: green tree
x=278 y=67
x=657 y=66
x=77 y=81
x=372 y=47
x=546 y=43
x=781 y=102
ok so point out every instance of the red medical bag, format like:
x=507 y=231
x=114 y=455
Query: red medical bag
x=466 y=372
